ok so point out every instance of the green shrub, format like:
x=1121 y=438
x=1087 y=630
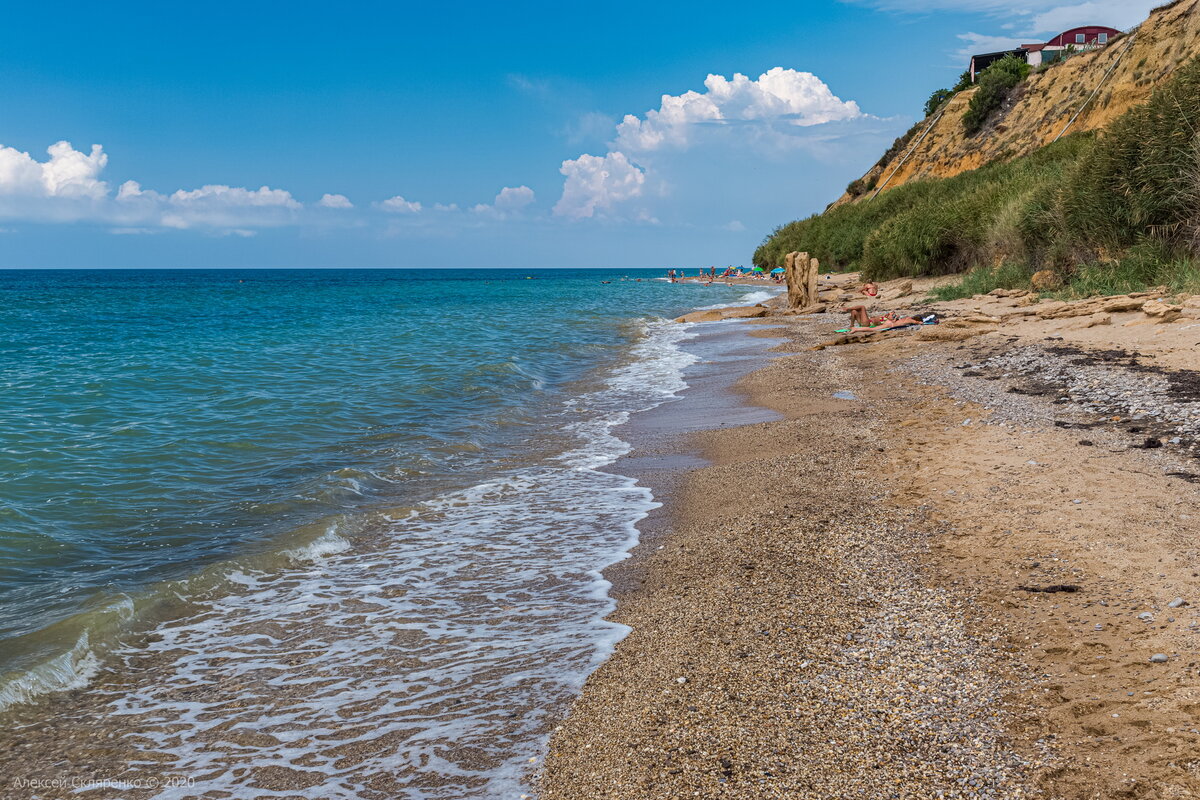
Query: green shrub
x=899 y=145
x=1141 y=179
x=1110 y=212
x=981 y=280
x=936 y=99
x=994 y=85
x=1146 y=265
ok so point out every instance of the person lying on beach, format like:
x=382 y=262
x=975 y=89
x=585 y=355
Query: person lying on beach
x=870 y=289
x=861 y=318
x=887 y=324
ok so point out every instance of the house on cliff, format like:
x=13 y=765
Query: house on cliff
x=1087 y=37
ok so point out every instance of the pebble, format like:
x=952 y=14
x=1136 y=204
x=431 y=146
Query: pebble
x=1158 y=658
x=1178 y=602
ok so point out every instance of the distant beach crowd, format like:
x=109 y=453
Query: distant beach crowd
x=729 y=274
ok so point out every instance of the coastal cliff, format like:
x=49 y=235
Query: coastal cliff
x=1087 y=172
x=1099 y=85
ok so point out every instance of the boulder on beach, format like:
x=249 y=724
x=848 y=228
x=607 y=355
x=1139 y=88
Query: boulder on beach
x=718 y=314
x=745 y=312
x=1157 y=308
x=903 y=289
x=701 y=316
x=1096 y=320
x=1121 y=303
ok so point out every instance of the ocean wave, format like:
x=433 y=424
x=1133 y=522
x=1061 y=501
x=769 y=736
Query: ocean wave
x=748 y=299
x=459 y=624
x=327 y=544
x=70 y=670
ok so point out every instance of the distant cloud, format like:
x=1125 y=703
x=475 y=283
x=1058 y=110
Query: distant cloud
x=67 y=188
x=795 y=98
x=68 y=173
x=596 y=184
x=978 y=43
x=775 y=113
x=734 y=225
x=588 y=126
x=335 y=201
x=398 y=205
x=213 y=205
x=1122 y=14
x=509 y=201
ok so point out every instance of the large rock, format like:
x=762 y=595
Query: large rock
x=1156 y=308
x=1097 y=319
x=744 y=312
x=702 y=316
x=1084 y=309
x=801 y=288
x=1121 y=303
x=1050 y=309
x=814 y=278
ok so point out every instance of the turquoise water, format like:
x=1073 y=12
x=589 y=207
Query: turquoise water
x=186 y=452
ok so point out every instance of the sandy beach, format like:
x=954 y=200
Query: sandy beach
x=947 y=569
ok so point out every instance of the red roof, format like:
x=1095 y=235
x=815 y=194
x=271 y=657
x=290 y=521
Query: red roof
x=1090 y=32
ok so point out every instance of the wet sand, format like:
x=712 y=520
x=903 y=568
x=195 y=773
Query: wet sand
x=849 y=601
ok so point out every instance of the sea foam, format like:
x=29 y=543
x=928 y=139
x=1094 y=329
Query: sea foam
x=437 y=652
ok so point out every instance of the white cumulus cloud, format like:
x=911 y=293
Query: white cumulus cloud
x=597 y=183
x=67 y=187
x=213 y=205
x=510 y=200
x=398 y=205
x=335 y=201
x=68 y=173
x=797 y=98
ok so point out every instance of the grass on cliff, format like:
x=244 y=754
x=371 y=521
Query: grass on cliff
x=1117 y=210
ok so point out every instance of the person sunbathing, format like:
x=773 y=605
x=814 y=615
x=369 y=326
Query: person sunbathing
x=860 y=317
x=885 y=324
x=870 y=289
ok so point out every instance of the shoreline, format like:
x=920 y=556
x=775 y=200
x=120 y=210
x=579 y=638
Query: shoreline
x=838 y=603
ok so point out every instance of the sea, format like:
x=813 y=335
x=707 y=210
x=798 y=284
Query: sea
x=315 y=533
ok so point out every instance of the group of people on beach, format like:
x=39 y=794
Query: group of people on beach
x=708 y=275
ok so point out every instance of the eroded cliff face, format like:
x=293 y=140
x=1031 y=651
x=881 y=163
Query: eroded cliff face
x=1039 y=109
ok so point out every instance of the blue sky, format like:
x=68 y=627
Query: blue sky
x=469 y=135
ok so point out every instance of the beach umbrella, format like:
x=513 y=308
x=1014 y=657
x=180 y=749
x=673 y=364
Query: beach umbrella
x=778 y=270
x=758 y=269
